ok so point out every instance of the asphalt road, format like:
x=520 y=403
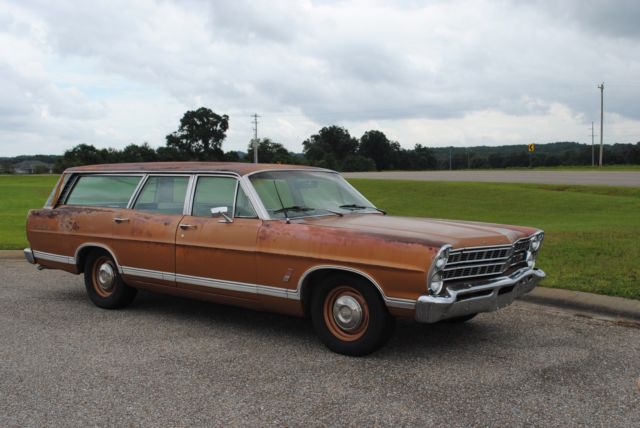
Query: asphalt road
x=585 y=178
x=174 y=362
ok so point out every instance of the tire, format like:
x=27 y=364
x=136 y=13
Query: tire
x=461 y=319
x=343 y=333
x=106 y=289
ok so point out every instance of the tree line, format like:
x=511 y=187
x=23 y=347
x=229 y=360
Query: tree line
x=201 y=133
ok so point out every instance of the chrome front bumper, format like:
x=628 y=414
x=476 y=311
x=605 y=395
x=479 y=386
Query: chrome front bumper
x=28 y=254
x=471 y=298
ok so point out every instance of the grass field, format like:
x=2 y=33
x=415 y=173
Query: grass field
x=592 y=238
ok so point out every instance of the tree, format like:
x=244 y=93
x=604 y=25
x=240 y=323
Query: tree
x=135 y=153
x=83 y=154
x=375 y=145
x=200 y=135
x=270 y=152
x=329 y=147
x=422 y=157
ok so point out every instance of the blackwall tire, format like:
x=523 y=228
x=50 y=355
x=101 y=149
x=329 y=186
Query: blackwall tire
x=349 y=316
x=104 y=284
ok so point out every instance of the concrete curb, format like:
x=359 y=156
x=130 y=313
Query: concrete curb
x=576 y=300
x=11 y=254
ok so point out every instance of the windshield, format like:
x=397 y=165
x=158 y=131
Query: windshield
x=292 y=194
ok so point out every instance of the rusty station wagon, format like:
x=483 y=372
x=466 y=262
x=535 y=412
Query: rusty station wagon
x=290 y=239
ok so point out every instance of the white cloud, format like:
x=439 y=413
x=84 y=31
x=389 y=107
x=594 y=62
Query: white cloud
x=457 y=73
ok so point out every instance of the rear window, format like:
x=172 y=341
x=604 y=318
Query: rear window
x=103 y=191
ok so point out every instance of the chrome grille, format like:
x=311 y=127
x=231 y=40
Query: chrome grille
x=486 y=261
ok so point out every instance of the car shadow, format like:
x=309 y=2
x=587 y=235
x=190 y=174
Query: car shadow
x=411 y=339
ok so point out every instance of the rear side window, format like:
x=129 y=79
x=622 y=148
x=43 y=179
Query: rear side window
x=163 y=194
x=103 y=191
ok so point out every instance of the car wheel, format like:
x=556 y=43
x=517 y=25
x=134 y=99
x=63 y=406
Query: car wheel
x=104 y=284
x=349 y=316
x=456 y=320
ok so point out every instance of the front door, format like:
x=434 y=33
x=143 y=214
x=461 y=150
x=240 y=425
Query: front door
x=144 y=236
x=215 y=253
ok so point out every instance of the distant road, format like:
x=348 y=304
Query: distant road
x=587 y=178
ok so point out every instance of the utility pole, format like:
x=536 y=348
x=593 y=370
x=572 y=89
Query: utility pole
x=593 y=150
x=255 y=138
x=601 y=87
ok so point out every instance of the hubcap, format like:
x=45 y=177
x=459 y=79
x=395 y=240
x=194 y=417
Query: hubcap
x=347 y=313
x=106 y=276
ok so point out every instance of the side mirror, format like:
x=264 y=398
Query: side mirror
x=221 y=211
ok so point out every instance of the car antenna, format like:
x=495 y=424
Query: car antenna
x=284 y=209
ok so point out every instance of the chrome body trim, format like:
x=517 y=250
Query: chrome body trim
x=54 y=257
x=28 y=254
x=391 y=302
x=483 y=296
x=95 y=244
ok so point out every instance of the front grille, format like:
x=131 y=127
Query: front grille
x=484 y=262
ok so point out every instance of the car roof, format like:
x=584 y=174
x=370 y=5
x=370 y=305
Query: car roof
x=239 y=168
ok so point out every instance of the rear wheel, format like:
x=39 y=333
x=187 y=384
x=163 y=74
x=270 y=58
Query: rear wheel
x=349 y=316
x=104 y=284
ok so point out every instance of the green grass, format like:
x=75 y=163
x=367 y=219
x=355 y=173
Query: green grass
x=19 y=193
x=612 y=168
x=592 y=240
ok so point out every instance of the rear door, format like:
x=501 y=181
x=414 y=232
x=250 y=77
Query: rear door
x=144 y=235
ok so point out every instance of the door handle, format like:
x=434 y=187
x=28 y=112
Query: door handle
x=187 y=226
x=120 y=220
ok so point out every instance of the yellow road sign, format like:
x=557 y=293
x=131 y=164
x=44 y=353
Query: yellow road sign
x=532 y=147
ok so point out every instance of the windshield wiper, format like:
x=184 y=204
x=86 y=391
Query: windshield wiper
x=293 y=208
x=355 y=207
x=299 y=208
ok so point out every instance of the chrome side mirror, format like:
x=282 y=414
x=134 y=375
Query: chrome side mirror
x=221 y=211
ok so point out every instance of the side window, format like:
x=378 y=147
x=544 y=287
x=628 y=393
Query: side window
x=213 y=192
x=163 y=194
x=243 y=205
x=103 y=190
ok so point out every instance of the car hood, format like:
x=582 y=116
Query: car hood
x=434 y=232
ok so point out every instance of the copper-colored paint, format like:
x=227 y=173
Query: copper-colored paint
x=395 y=252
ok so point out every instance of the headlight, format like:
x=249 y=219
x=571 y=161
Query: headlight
x=434 y=280
x=531 y=259
x=536 y=242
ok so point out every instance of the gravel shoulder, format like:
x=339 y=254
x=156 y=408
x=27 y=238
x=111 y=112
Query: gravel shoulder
x=175 y=362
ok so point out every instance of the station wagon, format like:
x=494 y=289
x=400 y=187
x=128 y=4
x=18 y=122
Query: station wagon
x=296 y=240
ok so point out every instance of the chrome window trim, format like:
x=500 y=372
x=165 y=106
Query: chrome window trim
x=255 y=200
x=265 y=214
x=239 y=182
x=78 y=176
x=137 y=190
x=146 y=179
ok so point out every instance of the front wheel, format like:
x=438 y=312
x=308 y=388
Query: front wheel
x=349 y=316
x=104 y=284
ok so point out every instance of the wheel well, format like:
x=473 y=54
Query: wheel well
x=84 y=252
x=317 y=276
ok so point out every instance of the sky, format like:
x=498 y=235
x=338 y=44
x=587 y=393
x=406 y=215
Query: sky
x=438 y=73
